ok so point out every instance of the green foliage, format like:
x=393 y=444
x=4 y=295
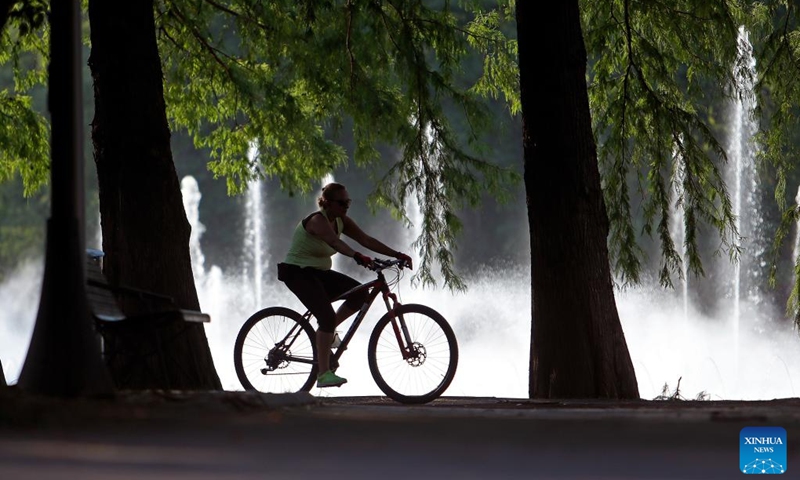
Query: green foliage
x=654 y=67
x=24 y=135
x=501 y=73
x=264 y=86
x=421 y=173
x=244 y=93
x=775 y=28
x=651 y=64
x=281 y=76
x=24 y=132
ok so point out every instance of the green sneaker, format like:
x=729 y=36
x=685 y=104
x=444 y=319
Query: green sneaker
x=329 y=379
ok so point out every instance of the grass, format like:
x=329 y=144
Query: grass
x=675 y=395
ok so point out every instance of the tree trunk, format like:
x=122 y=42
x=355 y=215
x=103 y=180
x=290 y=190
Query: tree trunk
x=578 y=349
x=145 y=230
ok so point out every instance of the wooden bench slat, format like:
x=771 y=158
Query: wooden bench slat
x=105 y=307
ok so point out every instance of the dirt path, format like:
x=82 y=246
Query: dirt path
x=239 y=435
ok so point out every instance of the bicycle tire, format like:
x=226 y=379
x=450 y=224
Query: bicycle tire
x=258 y=337
x=402 y=380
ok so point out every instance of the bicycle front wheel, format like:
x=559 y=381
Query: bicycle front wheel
x=429 y=365
x=275 y=352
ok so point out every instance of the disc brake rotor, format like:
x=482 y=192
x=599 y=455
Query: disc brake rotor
x=418 y=355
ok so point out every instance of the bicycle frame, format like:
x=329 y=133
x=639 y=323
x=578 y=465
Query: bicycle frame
x=375 y=287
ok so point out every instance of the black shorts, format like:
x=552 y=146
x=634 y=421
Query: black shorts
x=317 y=288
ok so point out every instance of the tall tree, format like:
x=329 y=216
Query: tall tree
x=578 y=348
x=145 y=230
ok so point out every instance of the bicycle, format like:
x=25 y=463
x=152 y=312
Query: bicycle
x=412 y=351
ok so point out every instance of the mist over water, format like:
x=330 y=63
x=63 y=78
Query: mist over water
x=19 y=302
x=700 y=350
x=492 y=324
x=667 y=338
x=487 y=321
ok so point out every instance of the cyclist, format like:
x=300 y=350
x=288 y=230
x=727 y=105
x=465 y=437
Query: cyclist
x=307 y=269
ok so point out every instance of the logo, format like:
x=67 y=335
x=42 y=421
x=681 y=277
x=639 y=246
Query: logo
x=762 y=450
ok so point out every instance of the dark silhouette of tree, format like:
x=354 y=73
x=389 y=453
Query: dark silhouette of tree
x=578 y=349
x=145 y=230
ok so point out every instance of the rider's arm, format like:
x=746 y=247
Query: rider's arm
x=318 y=226
x=353 y=231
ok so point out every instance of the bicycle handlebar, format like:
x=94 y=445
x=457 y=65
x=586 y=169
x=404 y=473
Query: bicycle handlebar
x=380 y=264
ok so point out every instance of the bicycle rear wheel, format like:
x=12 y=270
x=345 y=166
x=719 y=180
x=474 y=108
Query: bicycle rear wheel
x=433 y=355
x=268 y=348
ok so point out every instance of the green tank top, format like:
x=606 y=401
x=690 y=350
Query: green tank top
x=307 y=250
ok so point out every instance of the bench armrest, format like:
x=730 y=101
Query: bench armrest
x=193 y=316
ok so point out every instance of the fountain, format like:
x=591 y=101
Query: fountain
x=254 y=254
x=746 y=207
x=254 y=257
x=678 y=226
x=191 y=204
x=229 y=297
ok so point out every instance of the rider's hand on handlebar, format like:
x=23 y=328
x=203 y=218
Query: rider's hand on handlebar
x=405 y=258
x=362 y=260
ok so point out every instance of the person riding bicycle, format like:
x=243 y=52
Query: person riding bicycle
x=307 y=270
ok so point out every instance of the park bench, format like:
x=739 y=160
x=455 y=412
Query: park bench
x=138 y=344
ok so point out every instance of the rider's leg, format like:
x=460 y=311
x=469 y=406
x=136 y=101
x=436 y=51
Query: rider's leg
x=325 y=332
x=309 y=287
x=324 y=340
x=337 y=283
x=315 y=289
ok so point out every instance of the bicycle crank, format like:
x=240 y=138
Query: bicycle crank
x=275 y=359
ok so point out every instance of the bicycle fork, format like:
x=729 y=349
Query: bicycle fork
x=400 y=331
